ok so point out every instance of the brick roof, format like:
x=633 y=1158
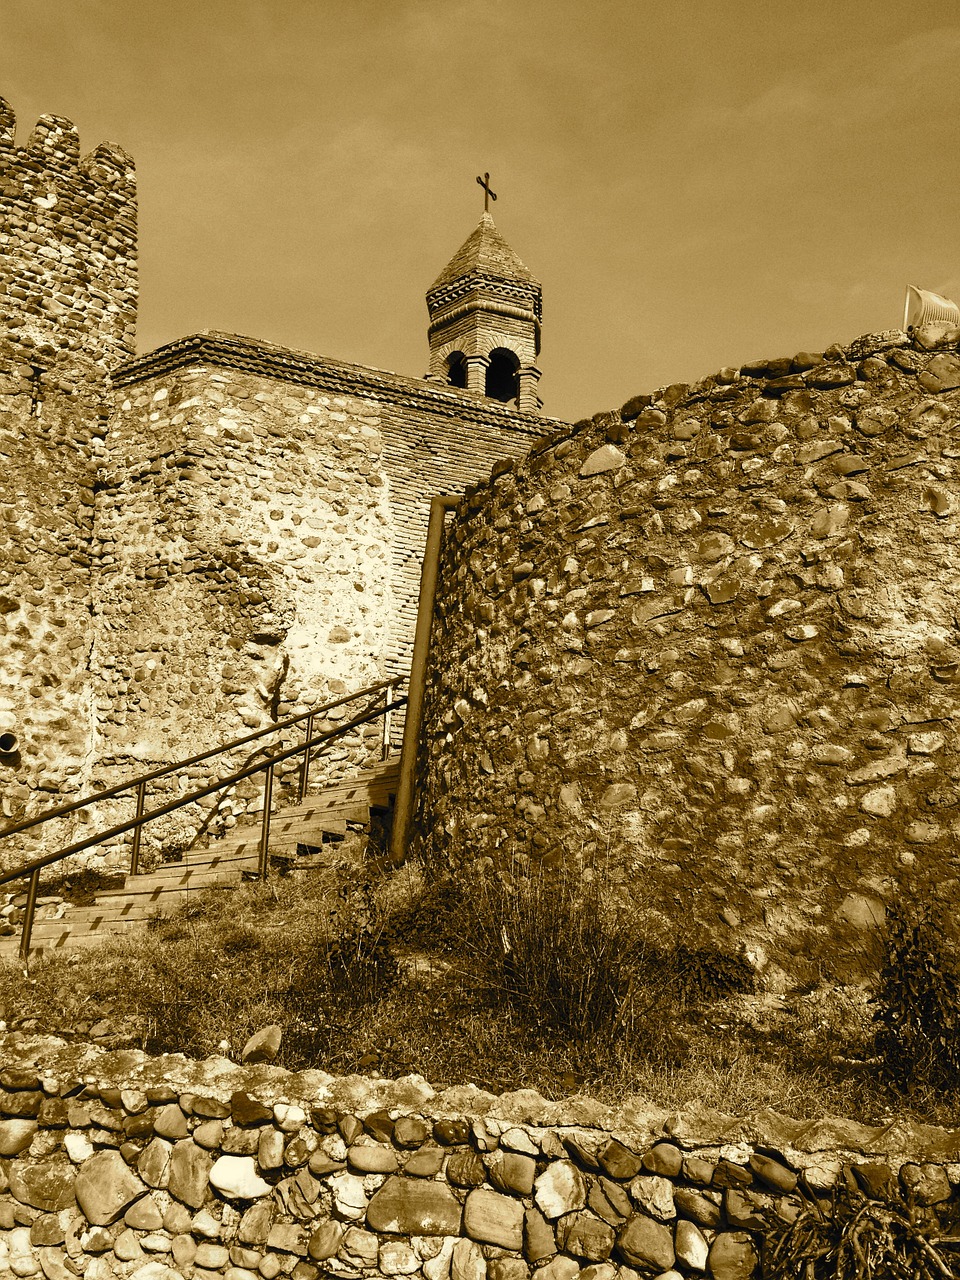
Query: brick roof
x=484 y=252
x=233 y=351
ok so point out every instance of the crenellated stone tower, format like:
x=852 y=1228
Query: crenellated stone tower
x=485 y=310
x=68 y=248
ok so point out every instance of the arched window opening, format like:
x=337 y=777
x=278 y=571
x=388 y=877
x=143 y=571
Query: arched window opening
x=502 y=381
x=457 y=369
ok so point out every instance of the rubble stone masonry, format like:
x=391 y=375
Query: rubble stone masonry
x=199 y=541
x=119 y=1165
x=68 y=255
x=708 y=645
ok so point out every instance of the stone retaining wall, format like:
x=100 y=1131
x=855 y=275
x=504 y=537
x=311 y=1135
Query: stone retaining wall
x=709 y=645
x=118 y=1165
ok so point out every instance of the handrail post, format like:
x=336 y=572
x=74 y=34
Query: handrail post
x=28 y=914
x=305 y=768
x=385 y=740
x=429 y=572
x=265 y=824
x=138 y=831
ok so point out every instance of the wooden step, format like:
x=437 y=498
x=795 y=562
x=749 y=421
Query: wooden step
x=186 y=878
x=219 y=863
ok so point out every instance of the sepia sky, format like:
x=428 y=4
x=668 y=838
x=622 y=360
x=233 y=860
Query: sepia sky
x=695 y=182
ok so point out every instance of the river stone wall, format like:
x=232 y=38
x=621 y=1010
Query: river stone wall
x=68 y=246
x=709 y=646
x=118 y=1165
x=243 y=542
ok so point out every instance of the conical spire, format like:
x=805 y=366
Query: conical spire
x=485 y=321
x=484 y=252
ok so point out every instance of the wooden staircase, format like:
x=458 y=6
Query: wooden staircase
x=215 y=863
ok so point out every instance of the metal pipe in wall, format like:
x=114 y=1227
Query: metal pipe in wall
x=9 y=743
x=403 y=809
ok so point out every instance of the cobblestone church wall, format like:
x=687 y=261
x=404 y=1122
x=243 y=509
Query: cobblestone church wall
x=709 y=646
x=195 y=542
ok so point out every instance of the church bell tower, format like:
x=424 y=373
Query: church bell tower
x=484 y=328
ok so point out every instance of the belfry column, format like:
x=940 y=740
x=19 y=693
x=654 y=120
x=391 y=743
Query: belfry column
x=477 y=373
x=528 y=400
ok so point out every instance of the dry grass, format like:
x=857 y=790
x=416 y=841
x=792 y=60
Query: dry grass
x=509 y=986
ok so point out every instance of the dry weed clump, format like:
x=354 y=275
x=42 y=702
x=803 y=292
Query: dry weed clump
x=857 y=1237
x=524 y=981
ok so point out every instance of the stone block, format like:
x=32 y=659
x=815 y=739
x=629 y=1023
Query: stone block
x=646 y=1244
x=492 y=1218
x=105 y=1187
x=414 y=1208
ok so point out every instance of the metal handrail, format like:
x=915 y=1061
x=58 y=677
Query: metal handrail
x=144 y=778
x=135 y=824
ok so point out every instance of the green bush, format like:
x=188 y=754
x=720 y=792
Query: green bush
x=917 y=1002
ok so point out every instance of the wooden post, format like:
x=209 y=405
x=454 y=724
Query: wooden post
x=265 y=824
x=138 y=831
x=305 y=768
x=28 y=913
x=385 y=741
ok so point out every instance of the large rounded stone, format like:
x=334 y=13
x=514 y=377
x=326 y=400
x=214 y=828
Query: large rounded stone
x=645 y=1243
x=494 y=1219
x=513 y=1172
x=154 y=1163
x=263 y=1045
x=619 y=1161
x=47 y=1187
x=407 y=1207
x=732 y=1256
x=16 y=1136
x=105 y=1186
x=188 y=1179
x=236 y=1178
x=371 y=1157
x=585 y=1236
x=691 y=1246
x=325 y=1241
x=927 y=1183
x=560 y=1189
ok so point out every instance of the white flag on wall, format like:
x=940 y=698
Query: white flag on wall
x=922 y=306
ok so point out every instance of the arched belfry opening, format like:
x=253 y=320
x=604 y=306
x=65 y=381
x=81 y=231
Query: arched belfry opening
x=456 y=369
x=502 y=379
x=484 y=328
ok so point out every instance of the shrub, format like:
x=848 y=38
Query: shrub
x=918 y=1001
x=557 y=951
x=855 y=1237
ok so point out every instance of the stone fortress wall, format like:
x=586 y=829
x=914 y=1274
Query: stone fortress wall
x=118 y=1165
x=68 y=291
x=201 y=540
x=708 y=645
x=68 y=246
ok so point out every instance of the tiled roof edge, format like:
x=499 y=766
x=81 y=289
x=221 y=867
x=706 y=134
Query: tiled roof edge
x=247 y=354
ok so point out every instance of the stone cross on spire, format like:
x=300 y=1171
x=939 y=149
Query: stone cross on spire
x=488 y=192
